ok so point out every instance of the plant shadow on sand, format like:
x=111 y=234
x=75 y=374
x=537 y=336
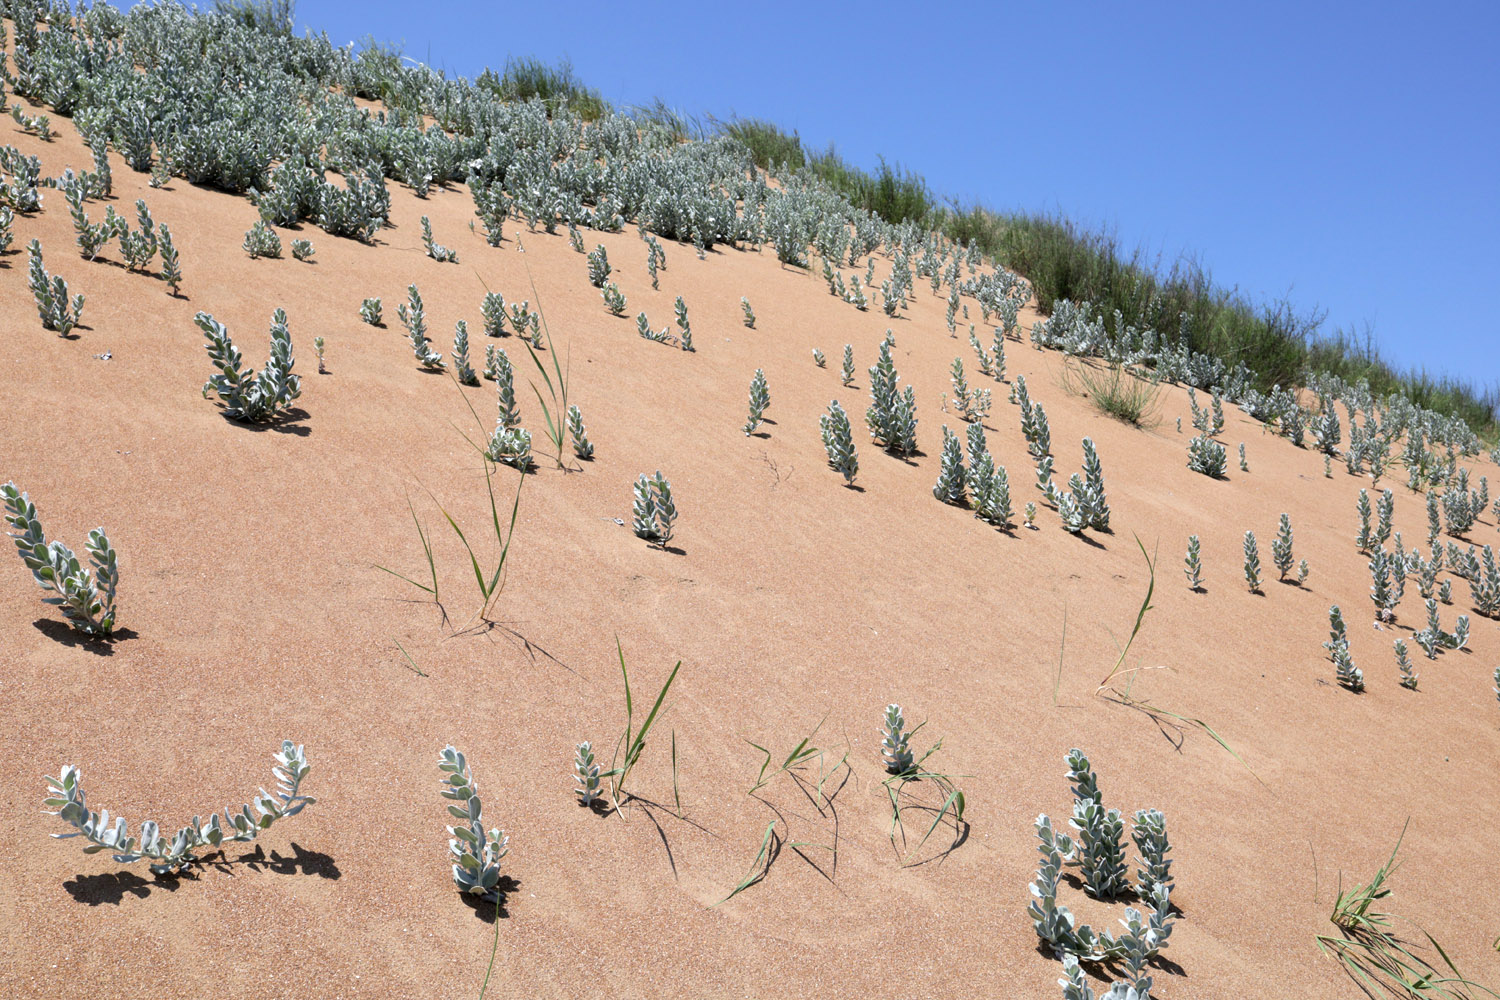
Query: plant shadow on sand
x=66 y=635
x=111 y=888
x=490 y=912
x=287 y=422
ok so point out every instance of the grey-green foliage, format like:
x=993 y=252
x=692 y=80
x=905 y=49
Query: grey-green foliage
x=653 y=511
x=171 y=263
x=1149 y=831
x=895 y=738
x=654 y=253
x=586 y=774
x=510 y=446
x=643 y=327
x=247 y=395
x=84 y=594
x=492 y=313
x=988 y=482
x=1497 y=682
x=1096 y=505
x=950 y=486
x=575 y=238
x=598 y=266
x=476 y=852
x=1458 y=511
x=749 y=313
x=138 y=247
x=7 y=223
x=1244 y=466
x=1403 y=662
x=1385 y=509
x=1071 y=505
x=91 y=237
x=1484 y=584
x=1194 y=569
x=1218 y=414
x=461 y=367
x=1281 y=547
x=414 y=318
x=582 y=447
x=1035 y=427
x=1345 y=671
x=261 y=240
x=846 y=375
x=973 y=404
x=838 y=441
x=436 y=251
x=498 y=366
x=1434 y=523
x=819 y=359
x=1207 y=456
x=1337 y=632
x=684 y=331
x=892 y=414
x=760 y=398
x=369 y=311
x=1302 y=572
x=302 y=249
x=50 y=292
x=1252 y=563
x=66 y=799
x=986 y=360
x=1445 y=592
x=1101 y=855
x=1381 y=591
x=614 y=299
x=1428 y=642
x=856 y=295
x=1365 y=540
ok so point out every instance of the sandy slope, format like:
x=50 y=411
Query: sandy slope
x=256 y=613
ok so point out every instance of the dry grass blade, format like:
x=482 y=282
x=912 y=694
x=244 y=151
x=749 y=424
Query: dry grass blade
x=1140 y=616
x=426 y=548
x=633 y=741
x=1114 y=389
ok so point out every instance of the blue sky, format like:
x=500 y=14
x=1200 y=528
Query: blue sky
x=1345 y=156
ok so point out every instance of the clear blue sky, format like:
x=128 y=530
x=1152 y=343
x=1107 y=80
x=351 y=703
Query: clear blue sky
x=1346 y=156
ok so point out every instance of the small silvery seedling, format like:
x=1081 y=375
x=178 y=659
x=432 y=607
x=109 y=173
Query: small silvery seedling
x=598 y=266
x=66 y=796
x=1244 y=466
x=302 y=250
x=461 y=367
x=250 y=396
x=1252 y=563
x=171 y=264
x=498 y=363
x=951 y=479
x=614 y=300
x=819 y=359
x=1381 y=591
x=369 y=311
x=436 y=251
x=492 y=311
x=510 y=446
x=1445 y=591
x=476 y=853
x=261 y=241
x=760 y=398
x=414 y=318
x=1403 y=662
x=653 y=511
x=575 y=238
x=586 y=773
x=838 y=441
x=1434 y=522
x=1030 y=514
x=749 y=313
x=685 y=332
x=1459 y=638
x=1327 y=467
x=318 y=346
x=581 y=444
x=1497 y=682
x=1337 y=632
x=1302 y=573
x=894 y=738
x=973 y=405
x=1097 y=504
x=1385 y=509
x=1194 y=569
x=1281 y=548
x=85 y=595
x=847 y=374
x=643 y=327
x=1207 y=456
x=50 y=292
x=1345 y=671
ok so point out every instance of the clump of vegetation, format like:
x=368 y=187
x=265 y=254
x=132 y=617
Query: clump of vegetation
x=1252 y=563
x=614 y=299
x=819 y=359
x=436 y=251
x=476 y=852
x=838 y=441
x=892 y=414
x=1194 y=569
x=1112 y=388
x=684 y=331
x=171 y=265
x=1207 y=456
x=261 y=240
x=654 y=511
x=760 y=398
x=369 y=311
x=846 y=374
x=951 y=482
x=50 y=291
x=749 y=313
x=462 y=370
x=302 y=249
x=1281 y=548
x=85 y=595
x=414 y=317
x=582 y=447
x=599 y=267
x=66 y=799
x=247 y=395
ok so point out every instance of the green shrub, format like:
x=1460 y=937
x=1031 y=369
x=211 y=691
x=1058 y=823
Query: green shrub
x=85 y=595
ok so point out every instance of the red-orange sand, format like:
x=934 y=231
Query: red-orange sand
x=255 y=613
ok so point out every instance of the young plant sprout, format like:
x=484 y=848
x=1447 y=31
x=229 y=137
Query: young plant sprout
x=476 y=852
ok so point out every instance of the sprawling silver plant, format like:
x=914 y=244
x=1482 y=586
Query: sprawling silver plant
x=84 y=594
x=66 y=800
x=50 y=291
x=760 y=398
x=247 y=395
